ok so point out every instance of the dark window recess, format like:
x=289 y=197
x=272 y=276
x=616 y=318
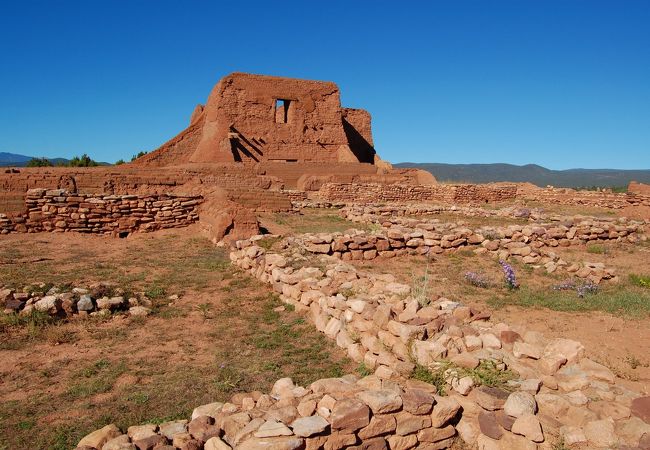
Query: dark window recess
x=282 y=110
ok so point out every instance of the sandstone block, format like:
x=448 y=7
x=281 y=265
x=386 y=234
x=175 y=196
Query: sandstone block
x=349 y=415
x=381 y=401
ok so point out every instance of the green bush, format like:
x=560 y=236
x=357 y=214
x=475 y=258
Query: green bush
x=39 y=162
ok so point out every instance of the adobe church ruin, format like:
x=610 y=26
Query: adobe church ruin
x=257 y=139
x=254 y=118
x=259 y=143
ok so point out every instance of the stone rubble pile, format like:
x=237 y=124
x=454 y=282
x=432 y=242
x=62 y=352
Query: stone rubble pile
x=98 y=299
x=59 y=210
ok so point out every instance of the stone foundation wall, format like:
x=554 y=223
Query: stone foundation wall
x=381 y=324
x=373 y=192
x=59 y=210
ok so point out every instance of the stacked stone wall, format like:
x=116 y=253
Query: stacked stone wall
x=59 y=210
x=374 y=192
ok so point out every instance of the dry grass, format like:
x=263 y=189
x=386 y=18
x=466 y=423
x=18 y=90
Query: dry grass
x=62 y=380
x=310 y=220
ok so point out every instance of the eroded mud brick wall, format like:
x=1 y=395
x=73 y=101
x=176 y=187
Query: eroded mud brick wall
x=256 y=118
x=372 y=192
x=59 y=210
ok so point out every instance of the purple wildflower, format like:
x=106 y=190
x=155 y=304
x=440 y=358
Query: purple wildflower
x=509 y=273
x=587 y=288
x=581 y=287
x=476 y=279
x=567 y=285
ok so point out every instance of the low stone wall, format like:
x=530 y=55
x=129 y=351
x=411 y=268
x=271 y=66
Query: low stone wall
x=60 y=210
x=531 y=244
x=476 y=193
x=599 y=199
x=374 y=192
x=557 y=393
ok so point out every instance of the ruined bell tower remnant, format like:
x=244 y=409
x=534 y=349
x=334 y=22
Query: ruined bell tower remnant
x=257 y=118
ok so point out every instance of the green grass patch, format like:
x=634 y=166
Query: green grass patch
x=486 y=374
x=640 y=280
x=629 y=301
x=597 y=249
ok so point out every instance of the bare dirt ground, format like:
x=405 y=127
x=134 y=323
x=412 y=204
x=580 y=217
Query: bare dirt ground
x=227 y=333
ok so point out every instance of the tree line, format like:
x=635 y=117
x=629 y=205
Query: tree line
x=78 y=161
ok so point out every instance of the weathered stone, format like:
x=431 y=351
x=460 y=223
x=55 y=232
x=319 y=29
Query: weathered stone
x=309 y=426
x=169 y=429
x=436 y=434
x=571 y=350
x=426 y=352
x=110 y=304
x=381 y=401
x=444 y=410
x=416 y=401
x=490 y=398
x=122 y=442
x=489 y=426
x=215 y=443
x=504 y=420
x=203 y=428
x=408 y=423
x=99 y=437
x=600 y=433
x=273 y=443
x=85 y=303
x=150 y=442
x=49 y=304
x=272 y=428
x=402 y=442
x=379 y=425
x=572 y=435
x=138 y=432
x=349 y=414
x=524 y=350
x=519 y=404
x=210 y=409
x=640 y=407
x=462 y=385
x=466 y=360
x=528 y=425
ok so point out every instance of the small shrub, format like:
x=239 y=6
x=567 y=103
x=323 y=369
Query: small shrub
x=597 y=249
x=640 y=280
x=434 y=377
x=204 y=309
x=363 y=370
x=155 y=292
x=420 y=288
x=228 y=379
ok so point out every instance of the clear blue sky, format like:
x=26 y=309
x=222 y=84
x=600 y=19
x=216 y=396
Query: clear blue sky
x=558 y=83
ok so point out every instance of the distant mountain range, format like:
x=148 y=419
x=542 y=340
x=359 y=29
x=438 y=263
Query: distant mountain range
x=532 y=173
x=15 y=160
